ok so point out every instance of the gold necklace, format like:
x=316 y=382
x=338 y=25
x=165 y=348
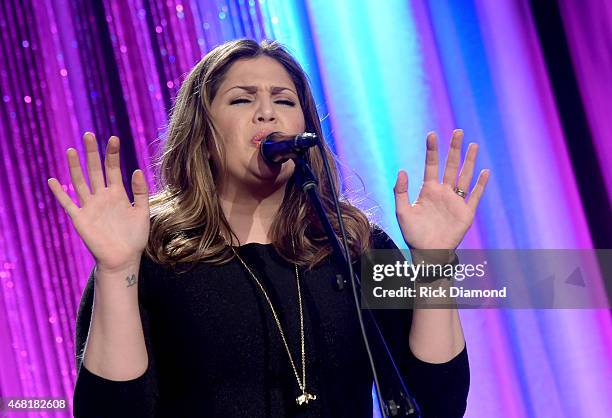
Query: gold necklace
x=305 y=396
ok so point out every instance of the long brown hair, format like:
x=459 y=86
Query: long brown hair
x=186 y=217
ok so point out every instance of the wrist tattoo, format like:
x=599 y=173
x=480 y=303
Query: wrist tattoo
x=131 y=280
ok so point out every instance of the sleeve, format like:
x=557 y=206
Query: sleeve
x=95 y=396
x=440 y=390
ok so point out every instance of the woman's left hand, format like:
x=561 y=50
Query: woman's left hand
x=439 y=218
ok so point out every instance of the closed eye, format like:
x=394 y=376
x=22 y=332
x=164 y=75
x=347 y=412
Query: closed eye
x=285 y=102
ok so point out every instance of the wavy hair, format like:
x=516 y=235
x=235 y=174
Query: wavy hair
x=187 y=222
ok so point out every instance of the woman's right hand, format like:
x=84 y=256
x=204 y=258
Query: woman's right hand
x=114 y=231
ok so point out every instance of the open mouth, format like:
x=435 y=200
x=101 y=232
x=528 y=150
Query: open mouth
x=256 y=140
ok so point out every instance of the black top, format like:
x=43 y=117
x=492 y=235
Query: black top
x=215 y=350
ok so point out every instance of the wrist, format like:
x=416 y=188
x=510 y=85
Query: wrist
x=431 y=256
x=129 y=265
x=122 y=277
x=438 y=265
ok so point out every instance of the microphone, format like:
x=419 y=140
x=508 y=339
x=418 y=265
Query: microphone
x=277 y=147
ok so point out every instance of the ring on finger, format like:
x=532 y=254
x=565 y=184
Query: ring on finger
x=460 y=192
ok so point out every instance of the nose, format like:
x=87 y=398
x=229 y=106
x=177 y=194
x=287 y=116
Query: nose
x=265 y=111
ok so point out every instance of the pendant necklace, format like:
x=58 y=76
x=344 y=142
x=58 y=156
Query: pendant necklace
x=305 y=397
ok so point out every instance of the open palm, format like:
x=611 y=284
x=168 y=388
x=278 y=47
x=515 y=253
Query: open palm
x=115 y=231
x=439 y=218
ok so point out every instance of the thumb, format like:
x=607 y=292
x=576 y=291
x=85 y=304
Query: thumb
x=402 y=199
x=140 y=190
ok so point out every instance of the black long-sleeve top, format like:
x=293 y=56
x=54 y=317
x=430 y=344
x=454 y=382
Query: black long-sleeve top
x=215 y=350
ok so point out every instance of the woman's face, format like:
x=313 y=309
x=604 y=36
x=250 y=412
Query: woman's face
x=256 y=97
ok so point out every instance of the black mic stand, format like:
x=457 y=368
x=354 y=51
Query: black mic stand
x=394 y=398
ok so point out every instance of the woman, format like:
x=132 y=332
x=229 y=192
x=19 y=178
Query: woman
x=213 y=298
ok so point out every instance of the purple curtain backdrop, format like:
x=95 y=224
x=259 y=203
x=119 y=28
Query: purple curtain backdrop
x=114 y=67
x=588 y=26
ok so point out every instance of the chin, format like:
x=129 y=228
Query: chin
x=273 y=173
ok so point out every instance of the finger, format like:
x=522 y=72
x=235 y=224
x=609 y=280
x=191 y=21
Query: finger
x=478 y=189
x=76 y=175
x=431 y=158
x=467 y=170
x=112 y=163
x=140 y=190
x=402 y=199
x=64 y=200
x=453 y=159
x=94 y=167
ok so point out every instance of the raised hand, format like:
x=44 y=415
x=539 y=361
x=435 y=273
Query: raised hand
x=114 y=230
x=440 y=217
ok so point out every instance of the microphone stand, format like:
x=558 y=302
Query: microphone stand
x=394 y=399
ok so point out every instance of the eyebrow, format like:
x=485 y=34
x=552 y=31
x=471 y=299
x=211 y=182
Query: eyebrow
x=253 y=89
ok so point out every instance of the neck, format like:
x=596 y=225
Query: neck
x=250 y=212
